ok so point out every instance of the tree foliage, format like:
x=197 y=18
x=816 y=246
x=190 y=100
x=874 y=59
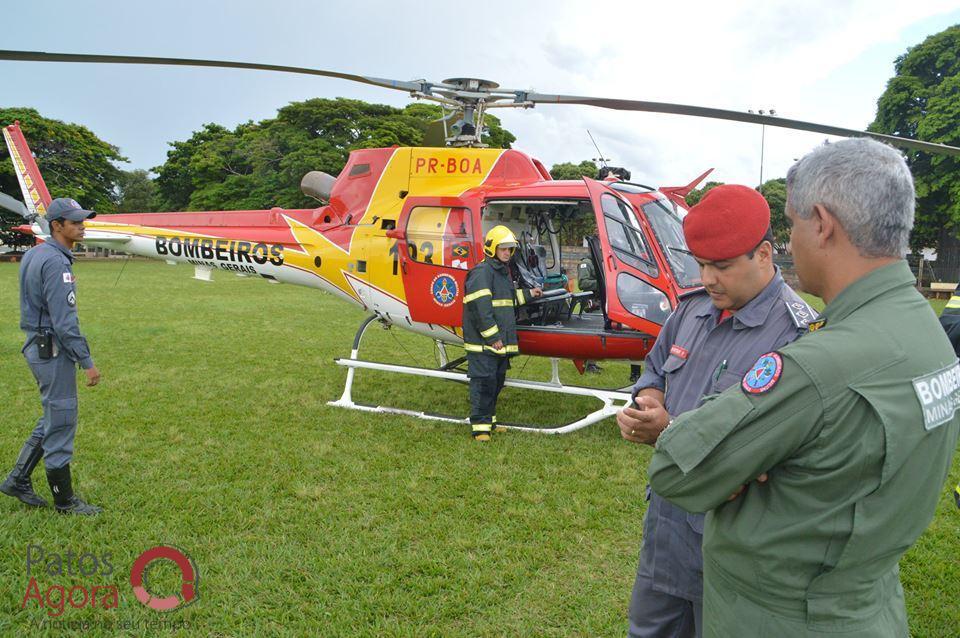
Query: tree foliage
x=775 y=192
x=922 y=100
x=694 y=197
x=73 y=161
x=569 y=170
x=259 y=165
x=136 y=192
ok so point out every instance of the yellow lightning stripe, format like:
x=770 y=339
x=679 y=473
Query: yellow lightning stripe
x=332 y=263
x=369 y=241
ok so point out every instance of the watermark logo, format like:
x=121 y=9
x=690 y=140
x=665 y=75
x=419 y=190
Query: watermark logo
x=57 y=597
x=189 y=578
x=96 y=591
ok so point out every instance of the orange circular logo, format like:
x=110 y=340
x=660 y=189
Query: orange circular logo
x=189 y=578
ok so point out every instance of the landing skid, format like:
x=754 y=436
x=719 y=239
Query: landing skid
x=612 y=399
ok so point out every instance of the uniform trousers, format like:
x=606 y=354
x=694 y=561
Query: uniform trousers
x=667 y=598
x=57 y=380
x=487 y=373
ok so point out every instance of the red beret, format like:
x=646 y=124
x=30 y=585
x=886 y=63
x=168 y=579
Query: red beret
x=728 y=222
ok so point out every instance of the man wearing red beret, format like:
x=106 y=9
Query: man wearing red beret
x=709 y=343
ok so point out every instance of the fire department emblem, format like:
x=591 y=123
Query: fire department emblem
x=764 y=374
x=444 y=289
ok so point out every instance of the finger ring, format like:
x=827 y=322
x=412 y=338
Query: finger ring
x=633 y=432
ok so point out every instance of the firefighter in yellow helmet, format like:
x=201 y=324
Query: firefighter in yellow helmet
x=490 y=327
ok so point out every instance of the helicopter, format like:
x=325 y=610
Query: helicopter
x=396 y=232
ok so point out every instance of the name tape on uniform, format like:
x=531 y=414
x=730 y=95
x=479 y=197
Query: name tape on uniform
x=939 y=395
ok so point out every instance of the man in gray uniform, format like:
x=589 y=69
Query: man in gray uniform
x=710 y=341
x=53 y=349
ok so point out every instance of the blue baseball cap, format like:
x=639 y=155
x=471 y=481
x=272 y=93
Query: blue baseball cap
x=66 y=208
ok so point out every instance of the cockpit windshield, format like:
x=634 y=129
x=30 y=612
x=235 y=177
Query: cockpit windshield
x=669 y=231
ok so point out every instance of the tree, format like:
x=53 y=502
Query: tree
x=922 y=100
x=775 y=192
x=694 y=197
x=73 y=161
x=260 y=164
x=136 y=192
x=569 y=170
x=175 y=179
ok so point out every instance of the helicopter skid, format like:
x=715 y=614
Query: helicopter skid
x=612 y=400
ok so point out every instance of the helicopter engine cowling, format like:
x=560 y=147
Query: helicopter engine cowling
x=318 y=185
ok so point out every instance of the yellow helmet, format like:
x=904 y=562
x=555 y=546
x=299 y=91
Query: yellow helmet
x=497 y=236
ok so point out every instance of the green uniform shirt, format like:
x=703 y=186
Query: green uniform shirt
x=587 y=276
x=857 y=434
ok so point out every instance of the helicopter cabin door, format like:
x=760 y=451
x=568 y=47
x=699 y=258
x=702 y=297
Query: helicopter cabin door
x=435 y=248
x=629 y=266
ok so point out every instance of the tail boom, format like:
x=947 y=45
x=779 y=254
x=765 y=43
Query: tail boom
x=35 y=193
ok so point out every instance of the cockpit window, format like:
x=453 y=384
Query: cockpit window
x=626 y=237
x=669 y=232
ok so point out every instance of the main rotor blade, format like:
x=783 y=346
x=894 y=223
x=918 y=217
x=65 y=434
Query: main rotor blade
x=542 y=98
x=14 y=206
x=41 y=56
x=738 y=116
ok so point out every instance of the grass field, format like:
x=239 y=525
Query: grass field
x=210 y=431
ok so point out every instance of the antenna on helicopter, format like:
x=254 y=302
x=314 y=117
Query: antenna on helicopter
x=606 y=170
x=601 y=159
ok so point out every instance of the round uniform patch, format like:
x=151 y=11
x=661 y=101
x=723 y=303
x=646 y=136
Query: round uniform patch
x=444 y=289
x=71 y=299
x=763 y=375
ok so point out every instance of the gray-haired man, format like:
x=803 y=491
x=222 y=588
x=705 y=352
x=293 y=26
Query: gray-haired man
x=855 y=424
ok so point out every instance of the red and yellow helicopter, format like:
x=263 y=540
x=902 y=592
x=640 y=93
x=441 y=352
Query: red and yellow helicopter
x=397 y=230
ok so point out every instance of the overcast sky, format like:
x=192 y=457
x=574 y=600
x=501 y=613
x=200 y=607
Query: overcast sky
x=824 y=61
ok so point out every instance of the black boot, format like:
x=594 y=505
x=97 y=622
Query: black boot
x=64 y=499
x=18 y=484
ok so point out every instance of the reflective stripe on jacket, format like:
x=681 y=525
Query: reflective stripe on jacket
x=488 y=309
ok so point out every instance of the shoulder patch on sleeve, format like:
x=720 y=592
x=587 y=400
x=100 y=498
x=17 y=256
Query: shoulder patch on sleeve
x=939 y=395
x=68 y=278
x=71 y=299
x=764 y=374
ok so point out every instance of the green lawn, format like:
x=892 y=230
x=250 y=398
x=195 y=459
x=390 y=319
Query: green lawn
x=210 y=431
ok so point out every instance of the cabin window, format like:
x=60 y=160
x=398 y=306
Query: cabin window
x=625 y=235
x=441 y=236
x=668 y=230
